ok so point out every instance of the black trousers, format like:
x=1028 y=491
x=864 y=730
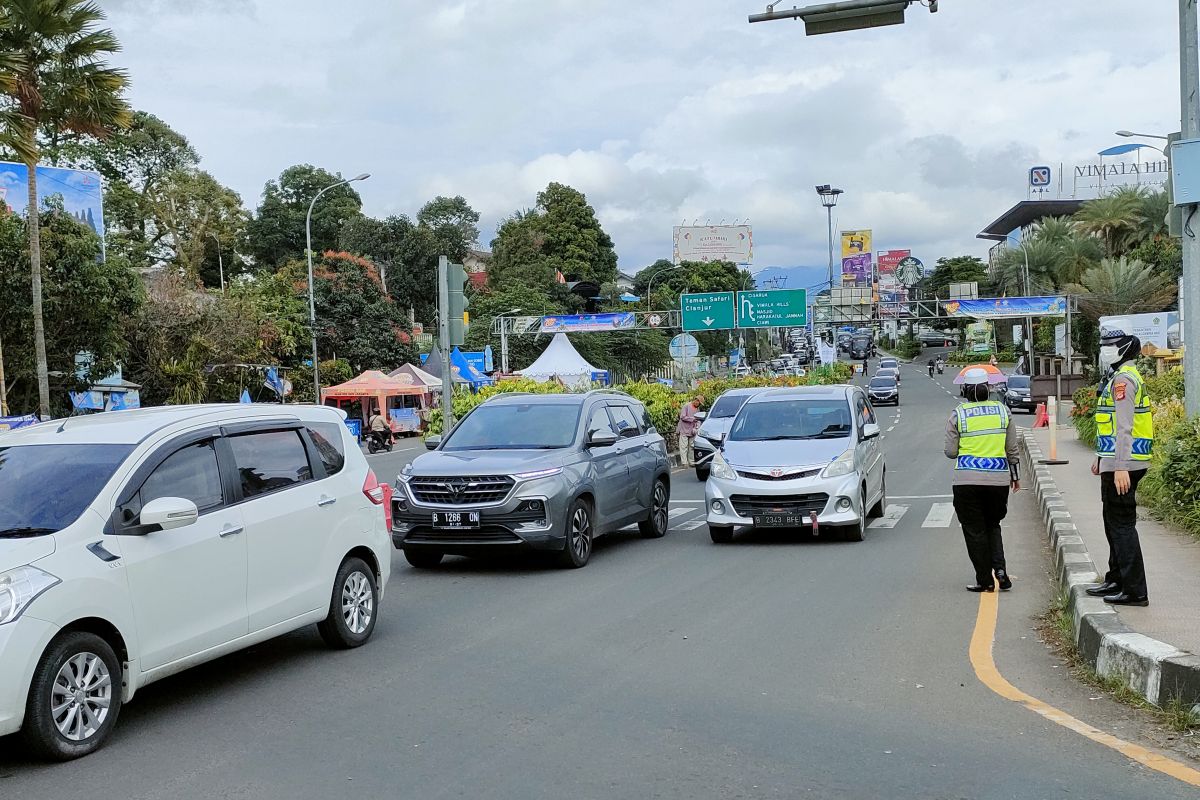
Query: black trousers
x=1125 y=565
x=980 y=509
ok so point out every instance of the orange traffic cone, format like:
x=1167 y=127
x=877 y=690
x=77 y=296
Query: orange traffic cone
x=1042 y=420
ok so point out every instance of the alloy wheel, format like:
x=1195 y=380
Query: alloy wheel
x=81 y=697
x=660 y=506
x=358 y=602
x=581 y=533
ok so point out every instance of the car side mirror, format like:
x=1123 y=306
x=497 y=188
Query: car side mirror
x=701 y=415
x=432 y=442
x=870 y=430
x=168 y=513
x=601 y=438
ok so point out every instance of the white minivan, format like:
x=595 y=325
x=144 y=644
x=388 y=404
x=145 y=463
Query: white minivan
x=135 y=544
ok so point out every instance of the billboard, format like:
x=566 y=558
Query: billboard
x=888 y=261
x=713 y=243
x=856 y=258
x=979 y=337
x=580 y=323
x=1004 y=307
x=1159 y=331
x=82 y=192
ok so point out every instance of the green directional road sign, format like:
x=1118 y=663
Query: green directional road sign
x=772 y=308
x=706 y=311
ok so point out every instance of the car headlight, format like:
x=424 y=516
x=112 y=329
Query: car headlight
x=538 y=473
x=842 y=465
x=720 y=469
x=18 y=588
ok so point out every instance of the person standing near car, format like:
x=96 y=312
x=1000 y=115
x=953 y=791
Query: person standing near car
x=1124 y=440
x=982 y=440
x=687 y=428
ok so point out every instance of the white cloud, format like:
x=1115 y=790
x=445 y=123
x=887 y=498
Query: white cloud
x=658 y=113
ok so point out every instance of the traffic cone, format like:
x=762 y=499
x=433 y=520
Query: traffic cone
x=1042 y=419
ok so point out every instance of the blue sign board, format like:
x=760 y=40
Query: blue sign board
x=1039 y=176
x=1002 y=307
x=612 y=321
x=478 y=361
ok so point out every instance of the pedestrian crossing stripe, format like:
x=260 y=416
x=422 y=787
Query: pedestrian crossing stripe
x=939 y=515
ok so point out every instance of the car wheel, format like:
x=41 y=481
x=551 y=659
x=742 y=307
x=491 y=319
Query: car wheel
x=352 y=608
x=423 y=559
x=578 y=547
x=858 y=531
x=654 y=525
x=74 y=699
x=720 y=534
x=877 y=510
x=702 y=473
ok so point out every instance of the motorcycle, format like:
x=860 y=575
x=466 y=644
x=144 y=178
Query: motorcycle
x=941 y=367
x=931 y=369
x=379 y=441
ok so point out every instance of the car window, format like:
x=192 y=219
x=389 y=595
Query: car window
x=727 y=405
x=1018 y=381
x=516 y=426
x=792 y=419
x=647 y=423
x=866 y=414
x=883 y=382
x=327 y=436
x=623 y=420
x=599 y=421
x=269 y=461
x=190 y=473
x=45 y=487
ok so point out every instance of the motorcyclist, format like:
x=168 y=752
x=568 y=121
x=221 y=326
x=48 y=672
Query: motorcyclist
x=941 y=364
x=379 y=429
x=931 y=366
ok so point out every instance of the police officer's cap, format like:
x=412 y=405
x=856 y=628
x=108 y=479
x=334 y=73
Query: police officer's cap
x=975 y=376
x=1112 y=331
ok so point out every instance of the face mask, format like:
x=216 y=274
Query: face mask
x=1109 y=355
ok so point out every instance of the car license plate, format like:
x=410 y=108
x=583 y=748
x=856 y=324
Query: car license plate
x=456 y=519
x=780 y=521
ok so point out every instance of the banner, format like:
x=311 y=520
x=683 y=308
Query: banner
x=857 y=260
x=888 y=261
x=826 y=352
x=82 y=192
x=713 y=243
x=1160 y=331
x=979 y=337
x=1003 y=307
x=580 y=323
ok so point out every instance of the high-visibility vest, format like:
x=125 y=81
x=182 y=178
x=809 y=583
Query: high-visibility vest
x=982 y=428
x=1143 y=419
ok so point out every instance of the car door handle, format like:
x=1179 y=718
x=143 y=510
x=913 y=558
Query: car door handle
x=326 y=501
x=231 y=530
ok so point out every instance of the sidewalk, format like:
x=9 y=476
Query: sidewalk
x=1151 y=648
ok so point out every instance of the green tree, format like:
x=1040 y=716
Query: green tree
x=276 y=234
x=453 y=224
x=195 y=212
x=1122 y=286
x=956 y=269
x=1161 y=252
x=86 y=301
x=59 y=86
x=1115 y=218
x=406 y=255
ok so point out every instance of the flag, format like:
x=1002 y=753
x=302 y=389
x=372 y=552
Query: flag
x=245 y=397
x=273 y=382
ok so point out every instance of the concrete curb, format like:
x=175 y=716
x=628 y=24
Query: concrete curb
x=1157 y=671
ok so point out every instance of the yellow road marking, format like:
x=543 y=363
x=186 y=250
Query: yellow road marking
x=985 y=670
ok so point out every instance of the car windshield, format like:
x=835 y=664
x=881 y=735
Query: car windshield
x=825 y=418
x=516 y=426
x=727 y=406
x=883 y=383
x=1018 y=381
x=45 y=487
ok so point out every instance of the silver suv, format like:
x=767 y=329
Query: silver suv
x=535 y=471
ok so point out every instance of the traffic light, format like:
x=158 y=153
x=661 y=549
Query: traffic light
x=457 y=279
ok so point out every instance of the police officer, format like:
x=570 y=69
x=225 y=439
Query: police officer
x=983 y=442
x=1124 y=439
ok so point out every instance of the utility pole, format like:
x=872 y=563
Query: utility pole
x=3 y=389
x=1189 y=301
x=444 y=344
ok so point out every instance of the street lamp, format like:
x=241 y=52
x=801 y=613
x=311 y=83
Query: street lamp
x=312 y=305
x=1029 y=320
x=220 y=263
x=504 y=339
x=829 y=198
x=1128 y=134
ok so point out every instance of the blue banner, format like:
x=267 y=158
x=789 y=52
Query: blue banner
x=1002 y=307
x=12 y=423
x=478 y=361
x=610 y=321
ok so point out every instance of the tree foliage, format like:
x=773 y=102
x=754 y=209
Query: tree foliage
x=956 y=269
x=1122 y=286
x=277 y=232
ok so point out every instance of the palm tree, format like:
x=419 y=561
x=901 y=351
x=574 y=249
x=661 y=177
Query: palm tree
x=1120 y=286
x=1115 y=218
x=1043 y=258
x=60 y=85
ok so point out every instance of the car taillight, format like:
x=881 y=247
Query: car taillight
x=380 y=494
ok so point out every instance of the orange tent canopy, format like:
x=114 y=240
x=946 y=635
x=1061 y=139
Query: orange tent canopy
x=372 y=383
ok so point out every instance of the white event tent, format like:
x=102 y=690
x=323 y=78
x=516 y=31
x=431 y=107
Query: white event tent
x=562 y=361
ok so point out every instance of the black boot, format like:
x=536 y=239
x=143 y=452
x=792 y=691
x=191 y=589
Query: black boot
x=1103 y=589
x=1126 y=599
x=1003 y=579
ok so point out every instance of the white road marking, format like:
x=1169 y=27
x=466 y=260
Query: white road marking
x=919 y=496
x=681 y=512
x=692 y=524
x=939 y=516
x=688 y=502
x=891 y=516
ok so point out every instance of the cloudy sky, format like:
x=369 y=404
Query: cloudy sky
x=660 y=111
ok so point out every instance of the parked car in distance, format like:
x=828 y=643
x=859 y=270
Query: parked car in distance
x=136 y=544
x=889 y=362
x=861 y=347
x=883 y=389
x=888 y=372
x=1017 y=393
x=716 y=426
x=804 y=457
x=548 y=472
x=936 y=339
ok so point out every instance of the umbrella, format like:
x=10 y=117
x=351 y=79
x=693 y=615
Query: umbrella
x=994 y=374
